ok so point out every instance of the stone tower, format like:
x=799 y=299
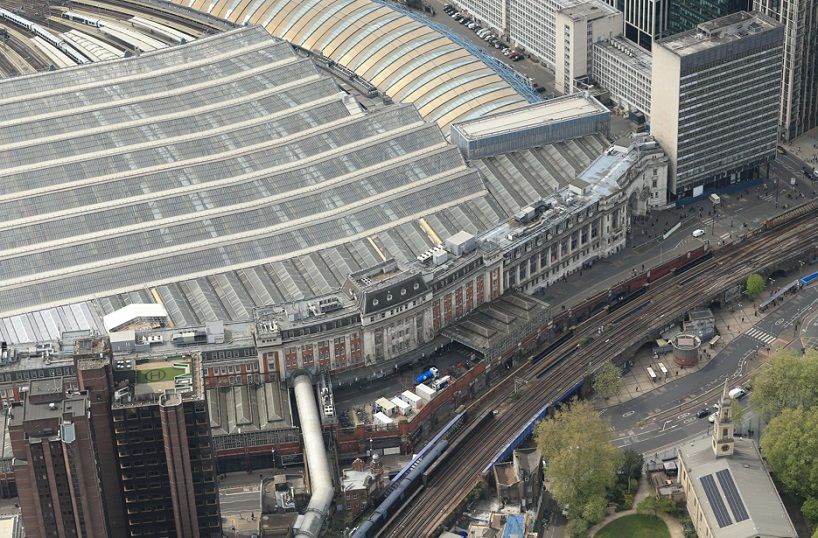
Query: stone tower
x=723 y=427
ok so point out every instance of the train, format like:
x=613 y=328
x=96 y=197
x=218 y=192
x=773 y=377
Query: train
x=405 y=488
x=78 y=17
x=431 y=373
x=51 y=39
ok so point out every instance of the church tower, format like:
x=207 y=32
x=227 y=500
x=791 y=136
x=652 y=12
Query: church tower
x=723 y=427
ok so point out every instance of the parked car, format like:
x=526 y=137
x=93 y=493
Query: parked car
x=712 y=417
x=698 y=233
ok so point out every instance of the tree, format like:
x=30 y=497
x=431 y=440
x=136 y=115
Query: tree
x=788 y=381
x=581 y=461
x=738 y=414
x=632 y=463
x=656 y=505
x=790 y=444
x=755 y=285
x=608 y=380
x=810 y=510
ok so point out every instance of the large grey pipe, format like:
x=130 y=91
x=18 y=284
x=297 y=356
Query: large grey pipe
x=320 y=477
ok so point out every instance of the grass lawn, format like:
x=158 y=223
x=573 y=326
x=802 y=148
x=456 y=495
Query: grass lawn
x=635 y=526
x=158 y=374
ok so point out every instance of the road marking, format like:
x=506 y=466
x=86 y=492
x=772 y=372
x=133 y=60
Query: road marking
x=762 y=336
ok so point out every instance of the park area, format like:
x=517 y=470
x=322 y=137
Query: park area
x=635 y=526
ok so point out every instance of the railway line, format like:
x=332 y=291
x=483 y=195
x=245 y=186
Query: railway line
x=568 y=364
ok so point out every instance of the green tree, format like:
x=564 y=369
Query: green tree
x=810 y=510
x=738 y=415
x=790 y=444
x=788 y=381
x=581 y=462
x=656 y=505
x=608 y=380
x=755 y=285
x=631 y=470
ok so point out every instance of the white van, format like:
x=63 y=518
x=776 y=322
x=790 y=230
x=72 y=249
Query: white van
x=715 y=199
x=737 y=393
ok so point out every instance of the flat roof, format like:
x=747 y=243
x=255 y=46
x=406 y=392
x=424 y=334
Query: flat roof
x=718 y=32
x=592 y=9
x=562 y=108
x=753 y=488
x=133 y=312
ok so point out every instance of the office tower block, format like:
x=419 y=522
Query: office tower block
x=577 y=28
x=165 y=452
x=715 y=100
x=799 y=78
x=92 y=362
x=56 y=463
x=684 y=15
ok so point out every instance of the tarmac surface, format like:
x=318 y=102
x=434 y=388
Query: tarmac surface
x=667 y=415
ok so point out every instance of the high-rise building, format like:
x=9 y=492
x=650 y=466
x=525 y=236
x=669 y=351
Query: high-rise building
x=645 y=20
x=577 y=29
x=624 y=69
x=164 y=448
x=92 y=361
x=56 y=469
x=799 y=79
x=715 y=100
x=684 y=15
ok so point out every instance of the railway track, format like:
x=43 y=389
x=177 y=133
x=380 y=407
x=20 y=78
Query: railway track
x=447 y=489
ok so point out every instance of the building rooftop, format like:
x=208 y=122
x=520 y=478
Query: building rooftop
x=159 y=376
x=75 y=405
x=409 y=60
x=636 y=56
x=718 y=32
x=740 y=482
x=248 y=408
x=166 y=380
x=592 y=9
x=224 y=204
x=559 y=109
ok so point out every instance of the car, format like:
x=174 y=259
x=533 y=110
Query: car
x=477 y=28
x=701 y=413
x=517 y=58
x=698 y=233
x=737 y=393
x=712 y=417
x=471 y=25
x=497 y=45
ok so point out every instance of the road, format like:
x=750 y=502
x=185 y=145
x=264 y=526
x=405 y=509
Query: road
x=667 y=415
x=570 y=362
x=232 y=501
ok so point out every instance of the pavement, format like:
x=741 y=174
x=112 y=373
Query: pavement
x=666 y=415
x=805 y=147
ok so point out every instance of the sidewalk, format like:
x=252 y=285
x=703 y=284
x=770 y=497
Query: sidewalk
x=730 y=322
x=644 y=491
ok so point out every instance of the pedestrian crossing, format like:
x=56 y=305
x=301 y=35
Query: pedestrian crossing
x=760 y=335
